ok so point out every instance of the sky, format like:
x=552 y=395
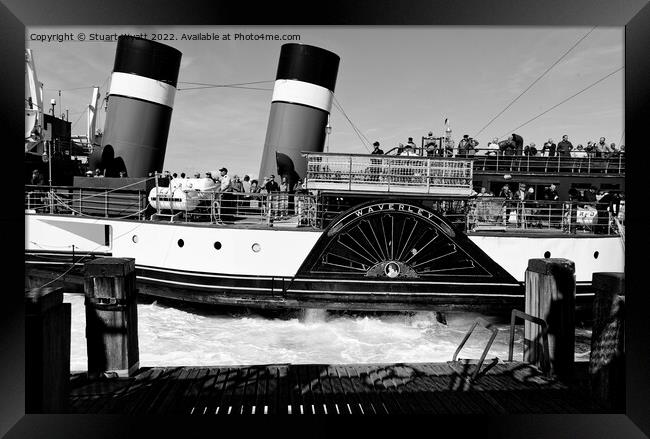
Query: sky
x=393 y=83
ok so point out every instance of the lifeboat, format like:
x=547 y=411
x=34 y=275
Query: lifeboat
x=182 y=194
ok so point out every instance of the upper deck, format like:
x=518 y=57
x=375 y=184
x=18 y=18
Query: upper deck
x=389 y=174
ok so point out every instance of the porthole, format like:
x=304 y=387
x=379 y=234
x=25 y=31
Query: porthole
x=547 y=254
x=134 y=238
x=217 y=245
x=596 y=254
x=256 y=247
x=181 y=243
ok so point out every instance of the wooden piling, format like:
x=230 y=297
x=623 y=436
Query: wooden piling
x=607 y=357
x=550 y=295
x=111 y=316
x=47 y=351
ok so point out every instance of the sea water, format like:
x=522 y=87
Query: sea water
x=184 y=335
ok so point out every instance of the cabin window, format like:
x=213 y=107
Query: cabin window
x=256 y=247
x=547 y=254
x=181 y=243
x=596 y=254
x=217 y=245
x=134 y=238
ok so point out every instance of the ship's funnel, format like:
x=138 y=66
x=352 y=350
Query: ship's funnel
x=300 y=107
x=140 y=103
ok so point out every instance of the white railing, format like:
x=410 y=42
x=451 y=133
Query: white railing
x=490 y=213
x=391 y=174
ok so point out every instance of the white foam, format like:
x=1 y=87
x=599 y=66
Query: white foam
x=183 y=337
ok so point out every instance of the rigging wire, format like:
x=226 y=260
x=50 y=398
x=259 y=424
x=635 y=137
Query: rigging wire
x=84 y=256
x=224 y=86
x=563 y=101
x=358 y=132
x=535 y=81
x=203 y=85
x=70 y=89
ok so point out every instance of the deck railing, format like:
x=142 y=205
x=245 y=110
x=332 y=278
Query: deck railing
x=113 y=203
x=292 y=209
x=493 y=160
x=390 y=174
x=308 y=210
x=492 y=213
x=614 y=164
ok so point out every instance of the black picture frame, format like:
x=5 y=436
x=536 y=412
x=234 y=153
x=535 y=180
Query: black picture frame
x=633 y=14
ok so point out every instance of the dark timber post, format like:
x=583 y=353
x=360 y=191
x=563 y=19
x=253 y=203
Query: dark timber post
x=47 y=351
x=607 y=358
x=111 y=316
x=550 y=295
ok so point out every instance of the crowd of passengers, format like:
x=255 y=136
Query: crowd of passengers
x=227 y=184
x=513 y=145
x=525 y=208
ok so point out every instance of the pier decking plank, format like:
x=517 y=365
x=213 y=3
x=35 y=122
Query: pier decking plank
x=362 y=389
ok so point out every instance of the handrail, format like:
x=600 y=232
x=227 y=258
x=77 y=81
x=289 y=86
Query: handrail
x=546 y=361
x=566 y=216
x=487 y=325
x=380 y=173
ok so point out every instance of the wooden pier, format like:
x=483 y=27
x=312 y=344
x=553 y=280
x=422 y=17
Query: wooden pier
x=372 y=389
x=549 y=381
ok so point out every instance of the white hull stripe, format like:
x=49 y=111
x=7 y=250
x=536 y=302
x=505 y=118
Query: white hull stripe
x=189 y=284
x=379 y=293
x=229 y=276
x=139 y=87
x=298 y=92
x=407 y=282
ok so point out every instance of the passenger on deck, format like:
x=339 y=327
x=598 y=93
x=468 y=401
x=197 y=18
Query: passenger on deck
x=408 y=150
x=375 y=168
x=225 y=184
x=246 y=183
x=506 y=192
x=483 y=192
x=548 y=150
x=37 y=178
x=601 y=148
x=530 y=150
x=493 y=147
x=98 y=173
x=507 y=147
x=271 y=185
x=521 y=192
x=467 y=146
x=236 y=184
x=579 y=152
x=284 y=197
x=551 y=193
x=430 y=145
x=411 y=143
x=564 y=147
x=519 y=144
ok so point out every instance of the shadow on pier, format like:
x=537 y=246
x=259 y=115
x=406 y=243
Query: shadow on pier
x=374 y=389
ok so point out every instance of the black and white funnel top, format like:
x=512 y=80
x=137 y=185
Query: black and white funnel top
x=300 y=107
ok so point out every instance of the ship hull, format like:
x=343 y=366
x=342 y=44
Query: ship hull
x=235 y=274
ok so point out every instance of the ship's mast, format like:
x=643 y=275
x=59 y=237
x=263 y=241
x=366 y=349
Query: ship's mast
x=33 y=103
x=92 y=116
